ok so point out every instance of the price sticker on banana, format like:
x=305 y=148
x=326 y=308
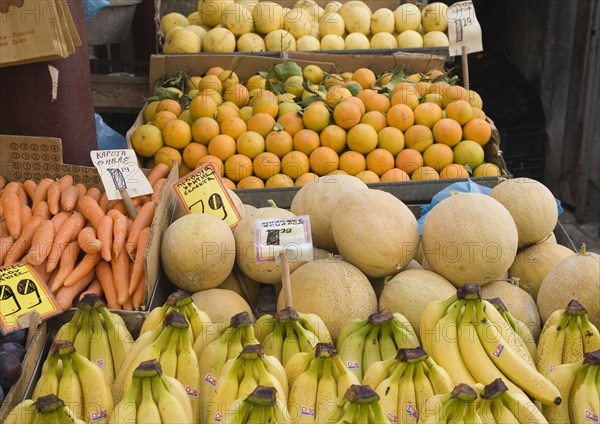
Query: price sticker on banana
x=22 y=291
x=273 y=236
x=119 y=169
x=203 y=191
x=463 y=28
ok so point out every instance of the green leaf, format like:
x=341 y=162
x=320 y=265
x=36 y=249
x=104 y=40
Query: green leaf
x=310 y=99
x=468 y=168
x=286 y=69
x=354 y=88
x=185 y=101
x=162 y=93
x=264 y=74
x=396 y=78
x=278 y=127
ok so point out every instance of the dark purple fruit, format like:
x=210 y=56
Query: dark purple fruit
x=1 y=396
x=14 y=349
x=10 y=370
x=19 y=336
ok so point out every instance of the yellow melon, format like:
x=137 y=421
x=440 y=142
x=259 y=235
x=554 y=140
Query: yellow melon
x=221 y=304
x=242 y=285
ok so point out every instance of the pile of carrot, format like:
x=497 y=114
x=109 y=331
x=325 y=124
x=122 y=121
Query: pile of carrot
x=77 y=240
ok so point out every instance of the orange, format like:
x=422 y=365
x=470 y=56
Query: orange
x=279 y=180
x=246 y=113
x=390 y=139
x=228 y=183
x=291 y=122
x=294 y=164
x=434 y=98
x=250 y=144
x=185 y=116
x=478 y=130
x=478 y=113
x=375 y=119
x=261 y=123
x=365 y=77
x=306 y=141
x=352 y=162
x=265 y=165
x=332 y=79
x=334 y=137
x=150 y=111
x=256 y=82
x=469 y=152
x=378 y=102
x=362 y=138
x=251 y=182
x=316 y=116
x=210 y=82
x=222 y=146
x=228 y=78
x=323 y=160
x=226 y=112
x=404 y=86
x=266 y=104
x=238 y=167
x=215 y=161
x=336 y=95
x=422 y=87
x=177 y=134
x=213 y=94
x=487 y=170
x=202 y=106
x=204 y=129
x=305 y=179
x=438 y=156
x=365 y=94
x=447 y=131
x=368 y=177
x=424 y=173
x=358 y=102
x=414 y=77
x=406 y=97
x=279 y=142
x=146 y=140
x=438 y=87
x=338 y=172
x=184 y=169
x=237 y=94
x=461 y=111
x=346 y=115
x=380 y=161
x=171 y=105
x=161 y=118
x=234 y=127
x=400 y=116
x=214 y=70
x=428 y=114
x=453 y=93
x=454 y=170
x=193 y=152
x=418 y=137
x=408 y=160
x=434 y=73
x=475 y=99
x=168 y=156
x=394 y=175
x=385 y=78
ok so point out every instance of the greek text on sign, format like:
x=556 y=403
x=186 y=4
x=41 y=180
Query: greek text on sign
x=21 y=291
x=119 y=169
x=463 y=28
x=272 y=236
x=203 y=191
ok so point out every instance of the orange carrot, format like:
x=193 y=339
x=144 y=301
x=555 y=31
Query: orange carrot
x=87 y=240
x=93 y=288
x=82 y=192
x=141 y=221
x=65 y=181
x=53 y=197
x=58 y=220
x=137 y=298
x=67 y=263
x=128 y=306
x=67 y=233
x=3 y=228
x=120 y=206
x=88 y=263
x=40 y=271
x=159 y=171
x=137 y=269
x=65 y=295
x=91 y=210
x=41 y=191
x=6 y=243
x=69 y=197
x=120 y=268
x=11 y=207
x=103 y=202
x=104 y=274
x=157 y=187
x=41 y=209
x=119 y=231
x=104 y=232
x=25 y=213
x=2 y=182
x=41 y=243
x=29 y=186
x=23 y=243
x=95 y=193
x=17 y=188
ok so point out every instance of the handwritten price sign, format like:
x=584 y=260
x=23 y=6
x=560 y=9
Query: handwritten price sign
x=463 y=29
x=272 y=236
x=119 y=170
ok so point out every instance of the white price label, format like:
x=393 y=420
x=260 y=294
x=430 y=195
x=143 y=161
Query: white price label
x=272 y=236
x=463 y=28
x=119 y=169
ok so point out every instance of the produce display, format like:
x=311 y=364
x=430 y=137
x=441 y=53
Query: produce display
x=251 y=26
x=290 y=125
x=12 y=352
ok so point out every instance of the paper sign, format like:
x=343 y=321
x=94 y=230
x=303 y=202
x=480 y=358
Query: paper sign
x=203 y=191
x=21 y=291
x=119 y=169
x=272 y=236
x=463 y=28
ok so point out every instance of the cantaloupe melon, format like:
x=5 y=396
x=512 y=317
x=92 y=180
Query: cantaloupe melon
x=334 y=290
x=469 y=238
x=317 y=198
x=533 y=263
x=518 y=302
x=375 y=231
x=532 y=207
x=234 y=282
x=575 y=277
x=197 y=252
x=221 y=304
x=410 y=291
x=379 y=282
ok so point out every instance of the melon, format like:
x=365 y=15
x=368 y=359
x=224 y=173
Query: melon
x=575 y=277
x=321 y=287
x=375 y=231
x=317 y=199
x=234 y=282
x=197 y=252
x=410 y=291
x=469 y=238
x=532 y=264
x=221 y=304
x=532 y=207
x=518 y=302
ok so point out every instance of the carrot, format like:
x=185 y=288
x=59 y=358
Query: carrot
x=5 y=244
x=159 y=171
x=157 y=187
x=103 y=202
x=120 y=206
x=104 y=274
x=41 y=243
x=25 y=213
x=87 y=240
x=3 y=228
x=11 y=207
x=23 y=243
x=41 y=191
x=2 y=182
x=93 y=288
x=82 y=192
x=29 y=186
x=142 y=220
x=119 y=231
x=41 y=209
x=65 y=295
x=88 y=263
x=128 y=306
x=69 y=197
x=67 y=263
x=58 y=220
x=40 y=271
x=91 y=210
x=67 y=233
x=120 y=269
x=137 y=269
x=53 y=197
x=104 y=232
x=17 y=188
x=95 y=193
x=65 y=181
x=137 y=298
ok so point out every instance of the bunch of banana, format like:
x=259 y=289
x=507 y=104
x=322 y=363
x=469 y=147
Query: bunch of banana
x=179 y=301
x=289 y=332
x=502 y=406
x=98 y=334
x=406 y=382
x=525 y=337
x=362 y=342
x=458 y=406
x=153 y=398
x=360 y=405
x=319 y=379
x=468 y=337
x=566 y=336
x=240 y=376
x=579 y=385
x=79 y=383
x=46 y=409
x=261 y=406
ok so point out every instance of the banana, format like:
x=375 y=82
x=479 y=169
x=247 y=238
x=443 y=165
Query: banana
x=450 y=407
x=52 y=410
x=119 y=338
x=84 y=336
x=248 y=382
x=275 y=368
x=188 y=371
x=378 y=372
x=154 y=319
x=273 y=341
x=235 y=345
x=297 y=365
x=265 y=378
x=23 y=413
x=590 y=335
x=573 y=350
x=183 y=397
x=584 y=403
x=69 y=388
x=224 y=394
x=69 y=330
x=48 y=382
x=147 y=411
x=563 y=377
x=502 y=414
x=125 y=411
x=345 y=378
x=387 y=345
x=349 y=413
x=407 y=398
x=168 y=356
x=471 y=415
x=553 y=319
x=551 y=345
x=350 y=327
x=291 y=346
x=525 y=338
x=100 y=352
x=432 y=313
x=306 y=339
x=523 y=408
x=211 y=364
x=351 y=350
x=261 y=406
x=302 y=400
x=197 y=318
x=264 y=326
x=438 y=376
x=67 y=416
x=361 y=405
x=169 y=408
x=371 y=353
x=211 y=333
x=435 y=407
x=423 y=388
x=404 y=333
x=389 y=390
x=327 y=392
x=315 y=325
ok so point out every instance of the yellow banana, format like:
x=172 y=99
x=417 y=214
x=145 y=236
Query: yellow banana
x=119 y=338
x=525 y=338
x=378 y=372
x=197 y=318
x=345 y=377
x=350 y=327
x=169 y=407
x=265 y=378
x=67 y=416
x=523 y=408
x=235 y=345
x=432 y=313
x=552 y=320
x=351 y=350
x=154 y=319
x=23 y=413
x=389 y=390
x=47 y=410
x=147 y=411
x=387 y=345
x=502 y=414
x=125 y=411
x=273 y=341
x=275 y=368
x=573 y=350
x=264 y=326
x=407 y=398
x=168 y=355
x=562 y=377
x=434 y=408
x=438 y=376
x=306 y=339
x=69 y=330
x=48 y=382
x=188 y=371
x=176 y=389
x=248 y=382
x=590 y=335
x=100 y=352
x=84 y=336
x=471 y=415
x=291 y=346
x=211 y=333
x=371 y=353
x=551 y=345
x=69 y=388
x=297 y=365
x=584 y=403
x=225 y=393
x=302 y=400
x=315 y=325
x=327 y=393
x=404 y=333
x=423 y=388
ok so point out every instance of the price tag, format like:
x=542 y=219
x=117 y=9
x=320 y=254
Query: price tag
x=203 y=191
x=463 y=28
x=272 y=236
x=119 y=170
x=21 y=291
